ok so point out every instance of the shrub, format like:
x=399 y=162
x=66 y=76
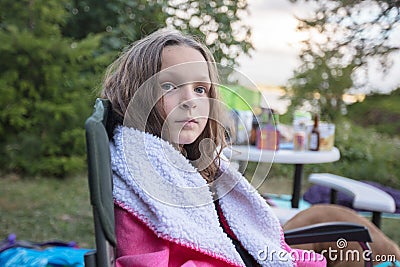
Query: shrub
x=365 y=155
x=45 y=83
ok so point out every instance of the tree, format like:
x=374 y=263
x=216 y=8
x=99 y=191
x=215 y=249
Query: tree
x=121 y=22
x=346 y=38
x=45 y=84
x=217 y=23
x=320 y=84
x=54 y=52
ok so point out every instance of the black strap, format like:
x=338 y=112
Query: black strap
x=248 y=260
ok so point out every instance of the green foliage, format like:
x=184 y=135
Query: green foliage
x=359 y=32
x=321 y=84
x=54 y=52
x=346 y=38
x=217 y=23
x=40 y=17
x=121 y=21
x=365 y=155
x=45 y=81
x=382 y=112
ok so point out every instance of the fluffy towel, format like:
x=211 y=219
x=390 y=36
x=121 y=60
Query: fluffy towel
x=158 y=184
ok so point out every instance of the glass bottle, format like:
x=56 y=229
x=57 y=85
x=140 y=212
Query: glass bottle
x=314 y=139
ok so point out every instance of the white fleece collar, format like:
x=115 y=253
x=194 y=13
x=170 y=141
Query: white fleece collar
x=157 y=183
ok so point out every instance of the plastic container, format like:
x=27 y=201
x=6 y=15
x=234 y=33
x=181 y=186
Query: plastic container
x=327 y=136
x=301 y=120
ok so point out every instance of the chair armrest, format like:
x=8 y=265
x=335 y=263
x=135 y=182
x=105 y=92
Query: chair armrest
x=327 y=232
x=366 y=197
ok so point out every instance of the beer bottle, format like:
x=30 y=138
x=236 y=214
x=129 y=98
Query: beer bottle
x=314 y=135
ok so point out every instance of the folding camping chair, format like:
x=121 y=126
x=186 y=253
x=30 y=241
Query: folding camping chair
x=98 y=132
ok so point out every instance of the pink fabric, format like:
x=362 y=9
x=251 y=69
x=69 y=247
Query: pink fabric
x=138 y=246
x=304 y=258
x=225 y=223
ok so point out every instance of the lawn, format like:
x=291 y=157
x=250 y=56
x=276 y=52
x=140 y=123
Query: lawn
x=47 y=208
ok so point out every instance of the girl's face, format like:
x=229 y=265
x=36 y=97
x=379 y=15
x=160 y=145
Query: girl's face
x=185 y=81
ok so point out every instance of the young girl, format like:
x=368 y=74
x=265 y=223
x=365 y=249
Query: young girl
x=177 y=203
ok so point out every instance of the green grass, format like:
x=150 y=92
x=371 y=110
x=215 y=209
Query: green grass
x=46 y=209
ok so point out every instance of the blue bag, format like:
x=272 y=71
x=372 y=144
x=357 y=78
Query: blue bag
x=46 y=254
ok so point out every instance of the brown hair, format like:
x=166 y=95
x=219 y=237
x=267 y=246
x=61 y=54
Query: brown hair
x=133 y=70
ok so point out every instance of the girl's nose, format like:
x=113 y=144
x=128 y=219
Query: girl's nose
x=188 y=97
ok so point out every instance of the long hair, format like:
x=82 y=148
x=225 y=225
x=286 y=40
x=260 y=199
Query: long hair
x=133 y=70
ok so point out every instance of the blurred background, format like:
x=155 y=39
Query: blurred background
x=339 y=59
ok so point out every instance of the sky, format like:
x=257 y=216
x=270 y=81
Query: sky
x=274 y=38
x=276 y=50
x=276 y=41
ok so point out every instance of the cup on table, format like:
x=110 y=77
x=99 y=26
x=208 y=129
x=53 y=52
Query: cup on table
x=327 y=136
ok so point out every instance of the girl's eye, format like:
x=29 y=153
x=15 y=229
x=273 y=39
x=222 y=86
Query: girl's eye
x=200 y=89
x=168 y=86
